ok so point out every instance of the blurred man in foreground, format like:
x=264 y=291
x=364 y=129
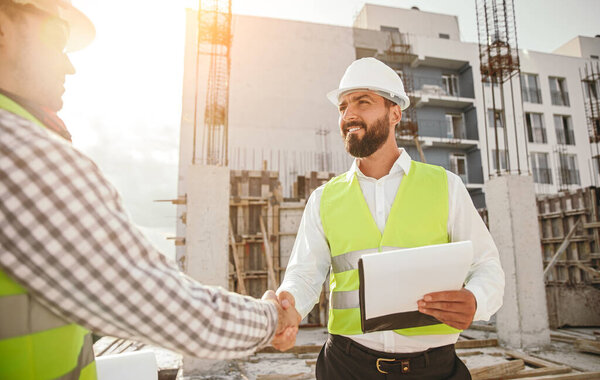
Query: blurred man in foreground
x=70 y=259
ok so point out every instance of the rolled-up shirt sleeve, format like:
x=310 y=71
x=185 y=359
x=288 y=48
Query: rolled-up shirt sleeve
x=310 y=258
x=66 y=238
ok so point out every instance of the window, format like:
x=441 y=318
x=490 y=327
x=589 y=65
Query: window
x=568 y=169
x=536 y=132
x=450 y=82
x=558 y=91
x=593 y=56
x=530 y=88
x=502 y=156
x=497 y=116
x=564 y=130
x=458 y=165
x=455 y=126
x=540 y=168
x=444 y=36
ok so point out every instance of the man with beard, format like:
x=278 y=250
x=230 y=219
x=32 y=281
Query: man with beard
x=387 y=201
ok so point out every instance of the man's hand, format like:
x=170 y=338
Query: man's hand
x=287 y=321
x=455 y=308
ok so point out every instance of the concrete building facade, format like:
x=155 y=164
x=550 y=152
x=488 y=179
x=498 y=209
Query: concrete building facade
x=279 y=117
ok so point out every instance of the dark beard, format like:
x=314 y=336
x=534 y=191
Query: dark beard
x=374 y=137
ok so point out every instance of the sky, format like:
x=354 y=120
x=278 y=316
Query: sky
x=123 y=106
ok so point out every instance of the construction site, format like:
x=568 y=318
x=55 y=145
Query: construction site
x=520 y=128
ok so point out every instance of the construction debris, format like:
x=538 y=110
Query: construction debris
x=481 y=354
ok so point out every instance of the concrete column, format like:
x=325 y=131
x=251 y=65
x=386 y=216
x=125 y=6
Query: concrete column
x=206 y=240
x=522 y=322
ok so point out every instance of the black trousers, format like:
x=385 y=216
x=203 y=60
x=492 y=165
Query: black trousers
x=342 y=358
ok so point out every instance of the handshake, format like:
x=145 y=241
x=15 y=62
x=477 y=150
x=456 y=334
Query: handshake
x=288 y=319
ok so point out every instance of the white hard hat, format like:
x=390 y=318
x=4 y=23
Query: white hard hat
x=81 y=29
x=374 y=75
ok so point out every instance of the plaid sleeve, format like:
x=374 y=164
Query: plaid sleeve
x=65 y=236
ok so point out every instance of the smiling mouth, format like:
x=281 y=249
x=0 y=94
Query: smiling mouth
x=352 y=129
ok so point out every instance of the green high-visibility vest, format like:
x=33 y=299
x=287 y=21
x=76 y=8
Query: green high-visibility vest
x=418 y=217
x=35 y=343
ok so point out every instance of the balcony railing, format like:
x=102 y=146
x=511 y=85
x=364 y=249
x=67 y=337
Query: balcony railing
x=433 y=85
x=441 y=128
x=542 y=175
x=569 y=176
x=567 y=138
x=532 y=95
x=560 y=98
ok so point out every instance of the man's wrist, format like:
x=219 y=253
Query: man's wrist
x=273 y=320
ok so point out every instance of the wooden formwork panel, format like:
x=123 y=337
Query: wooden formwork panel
x=307 y=183
x=568 y=221
x=253 y=209
x=558 y=215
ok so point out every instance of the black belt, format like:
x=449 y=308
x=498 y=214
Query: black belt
x=386 y=362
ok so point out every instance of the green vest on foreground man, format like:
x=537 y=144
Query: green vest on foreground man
x=35 y=343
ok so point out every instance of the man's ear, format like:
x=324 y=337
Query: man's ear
x=395 y=114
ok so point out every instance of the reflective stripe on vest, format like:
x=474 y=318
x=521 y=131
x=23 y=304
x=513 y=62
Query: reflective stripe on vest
x=418 y=217
x=35 y=343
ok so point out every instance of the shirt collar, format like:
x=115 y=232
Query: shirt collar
x=401 y=164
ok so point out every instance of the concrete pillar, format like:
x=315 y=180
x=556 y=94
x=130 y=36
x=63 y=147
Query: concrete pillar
x=206 y=240
x=522 y=322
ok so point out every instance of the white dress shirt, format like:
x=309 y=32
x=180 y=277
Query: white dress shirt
x=310 y=260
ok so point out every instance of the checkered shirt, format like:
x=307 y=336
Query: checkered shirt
x=65 y=236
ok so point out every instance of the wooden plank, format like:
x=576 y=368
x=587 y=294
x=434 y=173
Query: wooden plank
x=236 y=261
x=497 y=370
x=530 y=360
x=573 y=376
x=269 y=255
x=588 y=345
x=477 y=343
x=563 y=247
x=545 y=371
x=469 y=353
x=294 y=376
x=591 y=225
x=487 y=328
x=591 y=271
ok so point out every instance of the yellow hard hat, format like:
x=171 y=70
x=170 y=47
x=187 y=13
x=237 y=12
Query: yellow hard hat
x=81 y=29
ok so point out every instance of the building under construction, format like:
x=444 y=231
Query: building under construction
x=254 y=100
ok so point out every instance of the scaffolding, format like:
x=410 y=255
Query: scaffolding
x=499 y=65
x=399 y=54
x=590 y=82
x=214 y=43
